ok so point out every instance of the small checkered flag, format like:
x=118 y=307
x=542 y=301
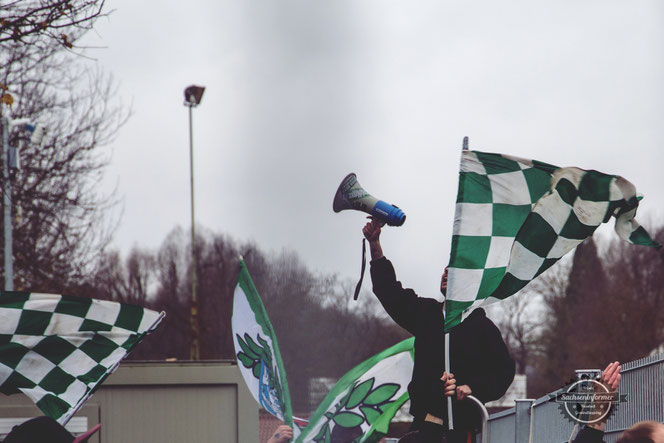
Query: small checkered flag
x=515 y=218
x=58 y=349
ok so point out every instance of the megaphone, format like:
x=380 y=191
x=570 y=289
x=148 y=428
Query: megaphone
x=350 y=195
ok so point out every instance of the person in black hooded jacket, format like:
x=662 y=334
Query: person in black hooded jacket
x=45 y=430
x=479 y=358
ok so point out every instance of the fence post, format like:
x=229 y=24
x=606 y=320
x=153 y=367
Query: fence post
x=522 y=420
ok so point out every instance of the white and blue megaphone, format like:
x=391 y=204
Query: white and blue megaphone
x=350 y=195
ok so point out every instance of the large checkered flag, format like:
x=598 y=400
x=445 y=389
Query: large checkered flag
x=515 y=218
x=57 y=349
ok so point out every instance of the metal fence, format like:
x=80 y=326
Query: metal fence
x=642 y=380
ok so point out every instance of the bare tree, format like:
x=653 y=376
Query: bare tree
x=568 y=340
x=634 y=303
x=607 y=307
x=520 y=322
x=172 y=339
x=33 y=21
x=128 y=281
x=62 y=220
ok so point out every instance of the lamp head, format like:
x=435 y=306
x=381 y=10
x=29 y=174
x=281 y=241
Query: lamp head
x=193 y=95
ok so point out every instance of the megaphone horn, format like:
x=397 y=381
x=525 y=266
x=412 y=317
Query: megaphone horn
x=350 y=195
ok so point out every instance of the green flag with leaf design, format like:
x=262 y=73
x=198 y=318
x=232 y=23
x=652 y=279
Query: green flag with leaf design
x=257 y=351
x=362 y=403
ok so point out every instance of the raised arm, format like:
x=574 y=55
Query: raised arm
x=611 y=380
x=371 y=232
x=399 y=303
x=594 y=432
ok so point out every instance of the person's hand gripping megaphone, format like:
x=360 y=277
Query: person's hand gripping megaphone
x=372 y=232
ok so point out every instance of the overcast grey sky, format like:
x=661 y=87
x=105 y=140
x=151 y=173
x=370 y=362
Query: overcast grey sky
x=301 y=93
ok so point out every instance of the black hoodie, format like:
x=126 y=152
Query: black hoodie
x=478 y=355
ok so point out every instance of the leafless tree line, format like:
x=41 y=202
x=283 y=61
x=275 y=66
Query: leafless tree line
x=582 y=313
x=321 y=331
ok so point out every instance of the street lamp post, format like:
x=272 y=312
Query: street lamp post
x=37 y=135
x=7 y=208
x=192 y=98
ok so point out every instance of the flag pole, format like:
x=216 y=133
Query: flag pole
x=450 y=415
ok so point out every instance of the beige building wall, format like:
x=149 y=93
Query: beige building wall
x=193 y=402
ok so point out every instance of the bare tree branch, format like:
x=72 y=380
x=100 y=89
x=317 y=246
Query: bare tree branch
x=62 y=220
x=29 y=21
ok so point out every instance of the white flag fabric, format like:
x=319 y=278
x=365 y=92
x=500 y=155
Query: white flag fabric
x=257 y=350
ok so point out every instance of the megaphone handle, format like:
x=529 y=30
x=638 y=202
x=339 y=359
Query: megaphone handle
x=378 y=220
x=364 y=265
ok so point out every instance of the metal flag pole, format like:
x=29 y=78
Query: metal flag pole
x=450 y=415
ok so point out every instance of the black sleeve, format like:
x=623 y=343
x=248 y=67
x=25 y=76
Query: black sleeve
x=589 y=435
x=400 y=303
x=491 y=382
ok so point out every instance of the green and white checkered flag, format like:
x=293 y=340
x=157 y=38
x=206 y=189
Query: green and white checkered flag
x=515 y=218
x=57 y=349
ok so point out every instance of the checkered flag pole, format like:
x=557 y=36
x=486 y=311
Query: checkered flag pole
x=515 y=218
x=58 y=349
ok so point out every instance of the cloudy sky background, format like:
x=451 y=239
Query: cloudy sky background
x=301 y=93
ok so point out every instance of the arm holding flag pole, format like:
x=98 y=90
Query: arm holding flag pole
x=282 y=434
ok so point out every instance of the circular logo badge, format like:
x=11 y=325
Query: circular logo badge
x=586 y=401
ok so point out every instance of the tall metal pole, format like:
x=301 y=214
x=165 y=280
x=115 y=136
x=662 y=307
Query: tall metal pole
x=192 y=98
x=450 y=413
x=194 y=353
x=7 y=207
